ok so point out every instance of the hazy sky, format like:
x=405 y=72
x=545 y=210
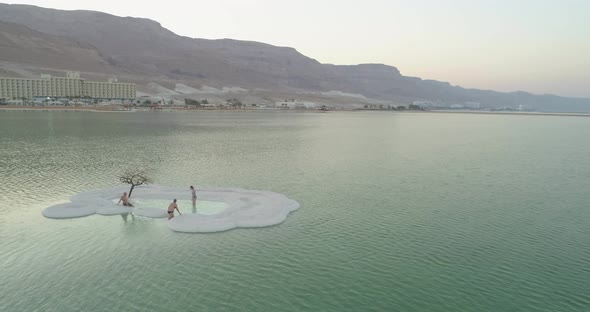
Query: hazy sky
x=540 y=46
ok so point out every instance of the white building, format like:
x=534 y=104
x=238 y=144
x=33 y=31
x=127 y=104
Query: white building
x=292 y=104
x=472 y=105
x=424 y=104
x=70 y=86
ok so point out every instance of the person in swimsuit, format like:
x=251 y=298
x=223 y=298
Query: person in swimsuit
x=125 y=200
x=194 y=199
x=171 y=208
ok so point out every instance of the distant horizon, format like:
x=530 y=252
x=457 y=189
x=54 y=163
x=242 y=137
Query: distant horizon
x=540 y=47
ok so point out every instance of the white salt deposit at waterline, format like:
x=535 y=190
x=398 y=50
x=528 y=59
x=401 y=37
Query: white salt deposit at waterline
x=219 y=209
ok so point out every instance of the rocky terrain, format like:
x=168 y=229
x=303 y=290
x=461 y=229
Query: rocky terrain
x=100 y=45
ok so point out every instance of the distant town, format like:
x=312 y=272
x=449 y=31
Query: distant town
x=73 y=91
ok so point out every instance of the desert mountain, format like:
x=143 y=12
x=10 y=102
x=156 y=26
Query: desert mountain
x=23 y=45
x=144 y=51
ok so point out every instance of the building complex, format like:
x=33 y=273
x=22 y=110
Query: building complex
x=71 y=86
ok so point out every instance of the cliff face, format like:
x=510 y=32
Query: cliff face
x=20 y=44
x=102 y=42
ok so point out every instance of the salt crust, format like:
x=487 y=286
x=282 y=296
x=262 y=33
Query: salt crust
x=246 y=208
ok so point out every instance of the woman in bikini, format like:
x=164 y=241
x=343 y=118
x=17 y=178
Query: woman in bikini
x=194 y=198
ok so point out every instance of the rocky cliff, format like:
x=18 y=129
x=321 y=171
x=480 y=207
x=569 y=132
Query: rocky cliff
x=142 y=48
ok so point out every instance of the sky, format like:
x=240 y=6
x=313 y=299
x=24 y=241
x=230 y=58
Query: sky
x=539 y=46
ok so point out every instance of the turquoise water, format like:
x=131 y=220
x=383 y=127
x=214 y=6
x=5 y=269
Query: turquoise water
x=400 y=212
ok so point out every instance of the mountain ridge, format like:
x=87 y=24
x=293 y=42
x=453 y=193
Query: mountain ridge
x=142 y=48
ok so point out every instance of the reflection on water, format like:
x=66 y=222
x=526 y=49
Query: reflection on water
x=400 y=212
x=125 y=216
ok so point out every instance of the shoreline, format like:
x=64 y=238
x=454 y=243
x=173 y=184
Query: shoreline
x=511 y=113
x=59 y=108
x=119 y=109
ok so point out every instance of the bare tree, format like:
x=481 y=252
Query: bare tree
x=135 y=177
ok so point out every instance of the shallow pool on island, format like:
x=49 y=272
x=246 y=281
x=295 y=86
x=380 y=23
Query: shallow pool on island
x=202 y=207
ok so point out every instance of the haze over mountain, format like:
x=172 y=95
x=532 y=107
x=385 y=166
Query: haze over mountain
x=34 y=39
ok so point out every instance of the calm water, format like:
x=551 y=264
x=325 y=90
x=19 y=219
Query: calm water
x=400 y=212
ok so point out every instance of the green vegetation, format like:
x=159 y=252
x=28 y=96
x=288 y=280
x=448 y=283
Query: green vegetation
x=234 y=103
x=195 y=103
x=191 y=102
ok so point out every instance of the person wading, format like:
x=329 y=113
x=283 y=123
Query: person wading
x=171 y=208
x=125 y=200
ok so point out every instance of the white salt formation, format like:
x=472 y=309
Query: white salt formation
x=69 y=210
x=246 y=209
x=243 y=208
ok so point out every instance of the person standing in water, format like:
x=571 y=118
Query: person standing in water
x=171 y=208
x=194 y=199
x=125 y=200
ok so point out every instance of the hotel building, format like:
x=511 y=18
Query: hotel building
x=61 y=87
